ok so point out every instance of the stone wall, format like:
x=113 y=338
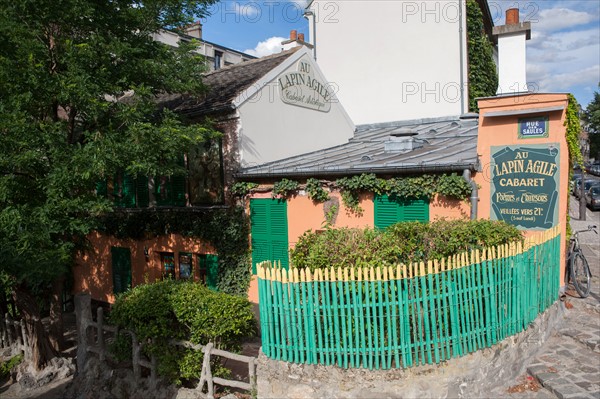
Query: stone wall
x=473 y=375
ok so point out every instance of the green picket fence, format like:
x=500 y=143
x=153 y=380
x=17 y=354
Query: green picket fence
x=407 y=315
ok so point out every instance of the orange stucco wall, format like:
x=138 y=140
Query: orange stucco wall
x=444 y=208
x=93 y=271
x=502 y=130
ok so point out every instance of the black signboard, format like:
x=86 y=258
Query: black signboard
x=536 y=127
x=525 y=183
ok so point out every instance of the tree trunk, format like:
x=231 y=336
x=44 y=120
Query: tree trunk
x=582 y=204
x=56 y=323
x=40 y=351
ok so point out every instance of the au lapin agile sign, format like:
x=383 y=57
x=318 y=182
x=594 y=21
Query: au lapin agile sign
x=303 y=89
x=525 y=182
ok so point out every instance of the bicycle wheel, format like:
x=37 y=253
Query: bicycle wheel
x=580 y=274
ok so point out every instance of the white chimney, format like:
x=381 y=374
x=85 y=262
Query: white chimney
x=194 y=30
x=512 y=64
x=296 y=39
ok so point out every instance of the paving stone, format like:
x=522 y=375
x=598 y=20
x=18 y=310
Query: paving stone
x=589 y=369
x=537 y=369
x=585 y=385
x=545 y=378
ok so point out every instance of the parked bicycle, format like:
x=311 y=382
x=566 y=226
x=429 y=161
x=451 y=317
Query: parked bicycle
x=578 y=270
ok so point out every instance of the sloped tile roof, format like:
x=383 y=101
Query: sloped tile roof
x=224 y=85
x=442 y=145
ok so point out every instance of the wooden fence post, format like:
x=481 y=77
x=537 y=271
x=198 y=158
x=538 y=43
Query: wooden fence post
x=3 y=343
x=23 y=333
x=100 y=333
x=252 y=375
x=136 y=349
x=153 y=371
x=206 y=374
x=83 y=316
x=8 y=331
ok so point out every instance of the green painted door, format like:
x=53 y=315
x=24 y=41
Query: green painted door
x=209 y=269
x=268 y=218
x=121 y=269
x=390 y=210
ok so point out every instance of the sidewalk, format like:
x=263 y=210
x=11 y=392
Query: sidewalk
x=569 y=362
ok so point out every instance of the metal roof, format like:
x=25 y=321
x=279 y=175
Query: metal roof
x=441 y=145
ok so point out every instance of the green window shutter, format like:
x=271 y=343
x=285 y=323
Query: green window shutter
x=117 y=183
x=178 y=190
x=128 y=191
x=121 y=269
x=124 y=190
x=417 y=209
x=389 y=211
x=102 y=188
x=268 y=219
x=143 y=195
x=212 y=271
x=162 y=191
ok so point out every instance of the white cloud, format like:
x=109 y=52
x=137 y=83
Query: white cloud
x=564 y=52
x=270 y=46
x=553 y=82
x=556 y=19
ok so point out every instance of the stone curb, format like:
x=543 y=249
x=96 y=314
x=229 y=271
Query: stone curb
x=560 y=386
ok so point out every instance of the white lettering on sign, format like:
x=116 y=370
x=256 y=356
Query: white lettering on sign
x=303 y=89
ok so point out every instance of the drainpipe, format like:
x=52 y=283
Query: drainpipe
x=310 y=17
x=474 y=193
x=462 y=57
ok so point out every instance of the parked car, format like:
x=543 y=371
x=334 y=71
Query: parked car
x=594 y=169
x=586 y=186
x=575 y=182
x=592 y=197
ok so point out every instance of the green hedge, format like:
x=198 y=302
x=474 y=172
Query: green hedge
x=180 y=310
x=404 y=242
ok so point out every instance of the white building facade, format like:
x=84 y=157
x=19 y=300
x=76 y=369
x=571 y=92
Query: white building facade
x=409 y=59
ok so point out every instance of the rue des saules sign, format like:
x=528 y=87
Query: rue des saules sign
x=525 y=183
x=303 y=89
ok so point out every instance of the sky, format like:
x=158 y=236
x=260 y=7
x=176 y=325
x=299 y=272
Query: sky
x=563 y=54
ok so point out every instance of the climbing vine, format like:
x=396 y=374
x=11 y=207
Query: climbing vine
x=483 y=78
x=573 y=128
x=284 y=188
x=352 y=187
x=315 y=190
x=225 y=229
x=241 y=189
x=424 y=186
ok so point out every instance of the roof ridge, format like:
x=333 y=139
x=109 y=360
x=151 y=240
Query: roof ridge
x=286 y=53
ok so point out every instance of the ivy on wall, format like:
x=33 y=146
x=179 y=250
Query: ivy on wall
x=225 y=229
x=483 y=77
x=573 y=128
x=424 y=186
x=572 y=131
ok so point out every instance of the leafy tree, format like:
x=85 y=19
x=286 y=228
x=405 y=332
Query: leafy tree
x=591 y=118
x=68 y=120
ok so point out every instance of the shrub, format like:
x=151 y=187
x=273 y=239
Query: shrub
x=212 y=316
x=172 y=309
x=342 y=247
x=9 y=364
x=403 y=242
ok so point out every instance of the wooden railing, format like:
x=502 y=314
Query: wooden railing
x=13 y=334
x=94 y=336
